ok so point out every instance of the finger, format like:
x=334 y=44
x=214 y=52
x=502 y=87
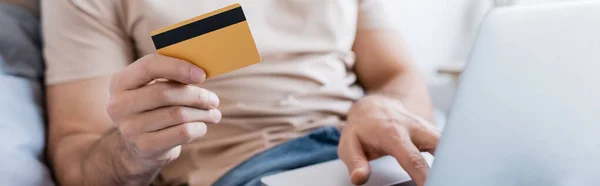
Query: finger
x=427 y=136
x=165 y=117
x=167 y=94
x=409 y=157
x=351 y=153
x=426 y=139
x=155 y=66
x=154 y=143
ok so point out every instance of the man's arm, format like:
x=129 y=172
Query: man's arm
x=78 y=120
x=384 y=67
x=122 y=130
x=394 y=117
x=117 y=130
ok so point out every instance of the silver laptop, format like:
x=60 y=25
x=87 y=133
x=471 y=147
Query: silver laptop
x=527 y=112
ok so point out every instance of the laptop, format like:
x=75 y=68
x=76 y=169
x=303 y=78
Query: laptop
x=385 y=171
x=527 y=110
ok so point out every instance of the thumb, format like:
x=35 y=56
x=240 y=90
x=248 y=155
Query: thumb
x=352 y=154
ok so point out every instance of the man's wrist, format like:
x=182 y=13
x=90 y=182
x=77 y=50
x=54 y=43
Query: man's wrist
x=129 y=169
x=423 y=110
x=110 y=161
x=384 y=98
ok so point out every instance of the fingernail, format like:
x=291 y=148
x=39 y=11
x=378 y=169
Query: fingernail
x=197 y=129
x=214 y=100
x=217 y=114
x=198 y=74
x=359 y=170
x=359 y=176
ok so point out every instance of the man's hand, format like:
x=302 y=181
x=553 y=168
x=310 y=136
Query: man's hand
x=379 y=126
x=154 y=117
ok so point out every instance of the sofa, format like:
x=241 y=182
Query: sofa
x=22 y=126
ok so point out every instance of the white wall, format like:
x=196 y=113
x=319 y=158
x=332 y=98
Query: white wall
x=520 y=2
x=437 y=31
x=441 y=32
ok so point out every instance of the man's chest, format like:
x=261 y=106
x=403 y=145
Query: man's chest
x=278 y=26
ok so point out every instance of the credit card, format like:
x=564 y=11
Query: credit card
x=218 y=42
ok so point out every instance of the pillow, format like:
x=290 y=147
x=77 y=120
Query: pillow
x=22 y=128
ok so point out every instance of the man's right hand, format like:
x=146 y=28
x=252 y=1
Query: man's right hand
x=156 y=110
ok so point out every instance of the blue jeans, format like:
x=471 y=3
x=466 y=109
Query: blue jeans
x=316 y=147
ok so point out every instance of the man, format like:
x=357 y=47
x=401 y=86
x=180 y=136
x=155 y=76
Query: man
x=122 y=115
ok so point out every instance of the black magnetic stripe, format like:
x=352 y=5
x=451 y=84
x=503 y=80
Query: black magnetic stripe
x=199 y=27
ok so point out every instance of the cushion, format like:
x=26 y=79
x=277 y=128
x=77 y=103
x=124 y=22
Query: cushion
x=22 y=128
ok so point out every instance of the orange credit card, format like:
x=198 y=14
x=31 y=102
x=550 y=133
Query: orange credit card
x=218 y=42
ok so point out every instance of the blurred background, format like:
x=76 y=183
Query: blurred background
x=440 y=33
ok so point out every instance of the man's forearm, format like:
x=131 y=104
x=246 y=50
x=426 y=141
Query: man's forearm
x=384 y=67
x=410 y=89
x=106 y=164
x=103 y=163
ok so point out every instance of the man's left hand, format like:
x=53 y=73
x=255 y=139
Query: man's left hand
x=378 y=126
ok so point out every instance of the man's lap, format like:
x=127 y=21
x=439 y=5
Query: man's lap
x=316 y=147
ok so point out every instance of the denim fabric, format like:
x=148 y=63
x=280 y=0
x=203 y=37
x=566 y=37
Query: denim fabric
x=319 y=146
x=22 y=129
